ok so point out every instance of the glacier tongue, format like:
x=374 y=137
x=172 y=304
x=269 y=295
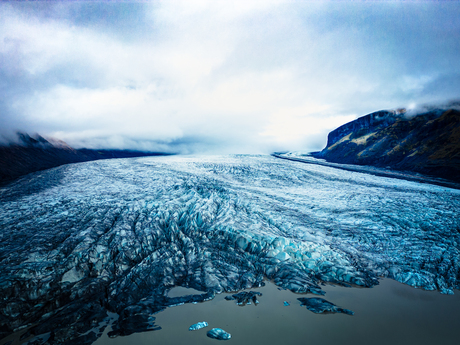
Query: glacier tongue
x=117 y=235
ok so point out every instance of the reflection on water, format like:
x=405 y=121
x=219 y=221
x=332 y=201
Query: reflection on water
x=389 y=313
x=114 y=246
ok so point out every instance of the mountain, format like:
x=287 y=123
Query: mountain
x=30 y=154
x=427 y=143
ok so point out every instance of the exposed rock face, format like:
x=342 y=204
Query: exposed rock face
x=428 y=143
x=35 y=154
x=364 y=124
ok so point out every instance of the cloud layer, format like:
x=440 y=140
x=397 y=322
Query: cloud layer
x=218 y=76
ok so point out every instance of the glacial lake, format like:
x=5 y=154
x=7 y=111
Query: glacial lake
x=140 y=249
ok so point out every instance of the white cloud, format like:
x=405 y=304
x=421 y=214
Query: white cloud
x=291 y=126
x=415 y=83
x=237 y=76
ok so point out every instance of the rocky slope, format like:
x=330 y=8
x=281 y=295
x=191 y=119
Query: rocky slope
x=34 y=154
x=428 y=142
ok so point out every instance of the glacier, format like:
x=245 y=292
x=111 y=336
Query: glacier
x=85 y=241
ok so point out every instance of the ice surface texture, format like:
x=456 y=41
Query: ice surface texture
x=83 y=239
x=320 y=305
x=217 y=333
x=198 y=326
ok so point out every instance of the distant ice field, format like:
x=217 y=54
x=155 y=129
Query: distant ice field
x=116 y=235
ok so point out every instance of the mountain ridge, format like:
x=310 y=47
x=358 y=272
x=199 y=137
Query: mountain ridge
x=30 y=154
x=427 y=143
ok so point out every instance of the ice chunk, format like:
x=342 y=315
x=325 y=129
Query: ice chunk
x=72 y=276
x=198 y=326
x=218 y=333
x=242 y=242
x=320 y=305
x=286 y=304
x=244 y=297
x=283 y=256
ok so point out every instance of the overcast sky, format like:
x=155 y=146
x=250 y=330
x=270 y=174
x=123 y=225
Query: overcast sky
x=213 y=76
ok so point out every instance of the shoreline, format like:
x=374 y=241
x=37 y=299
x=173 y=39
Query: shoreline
x=390 y=312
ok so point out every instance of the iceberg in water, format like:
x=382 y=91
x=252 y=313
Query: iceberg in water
x=198 y=326
x=218 y=333
x=244 y=297
x=320 y=306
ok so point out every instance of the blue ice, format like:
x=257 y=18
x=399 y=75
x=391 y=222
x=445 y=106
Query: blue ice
x=218 y=333
x=198 y=326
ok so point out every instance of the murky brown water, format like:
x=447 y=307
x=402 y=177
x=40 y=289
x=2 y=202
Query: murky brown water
x=391 y=313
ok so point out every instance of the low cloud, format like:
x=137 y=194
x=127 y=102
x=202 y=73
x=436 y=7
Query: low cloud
x=438 y=108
